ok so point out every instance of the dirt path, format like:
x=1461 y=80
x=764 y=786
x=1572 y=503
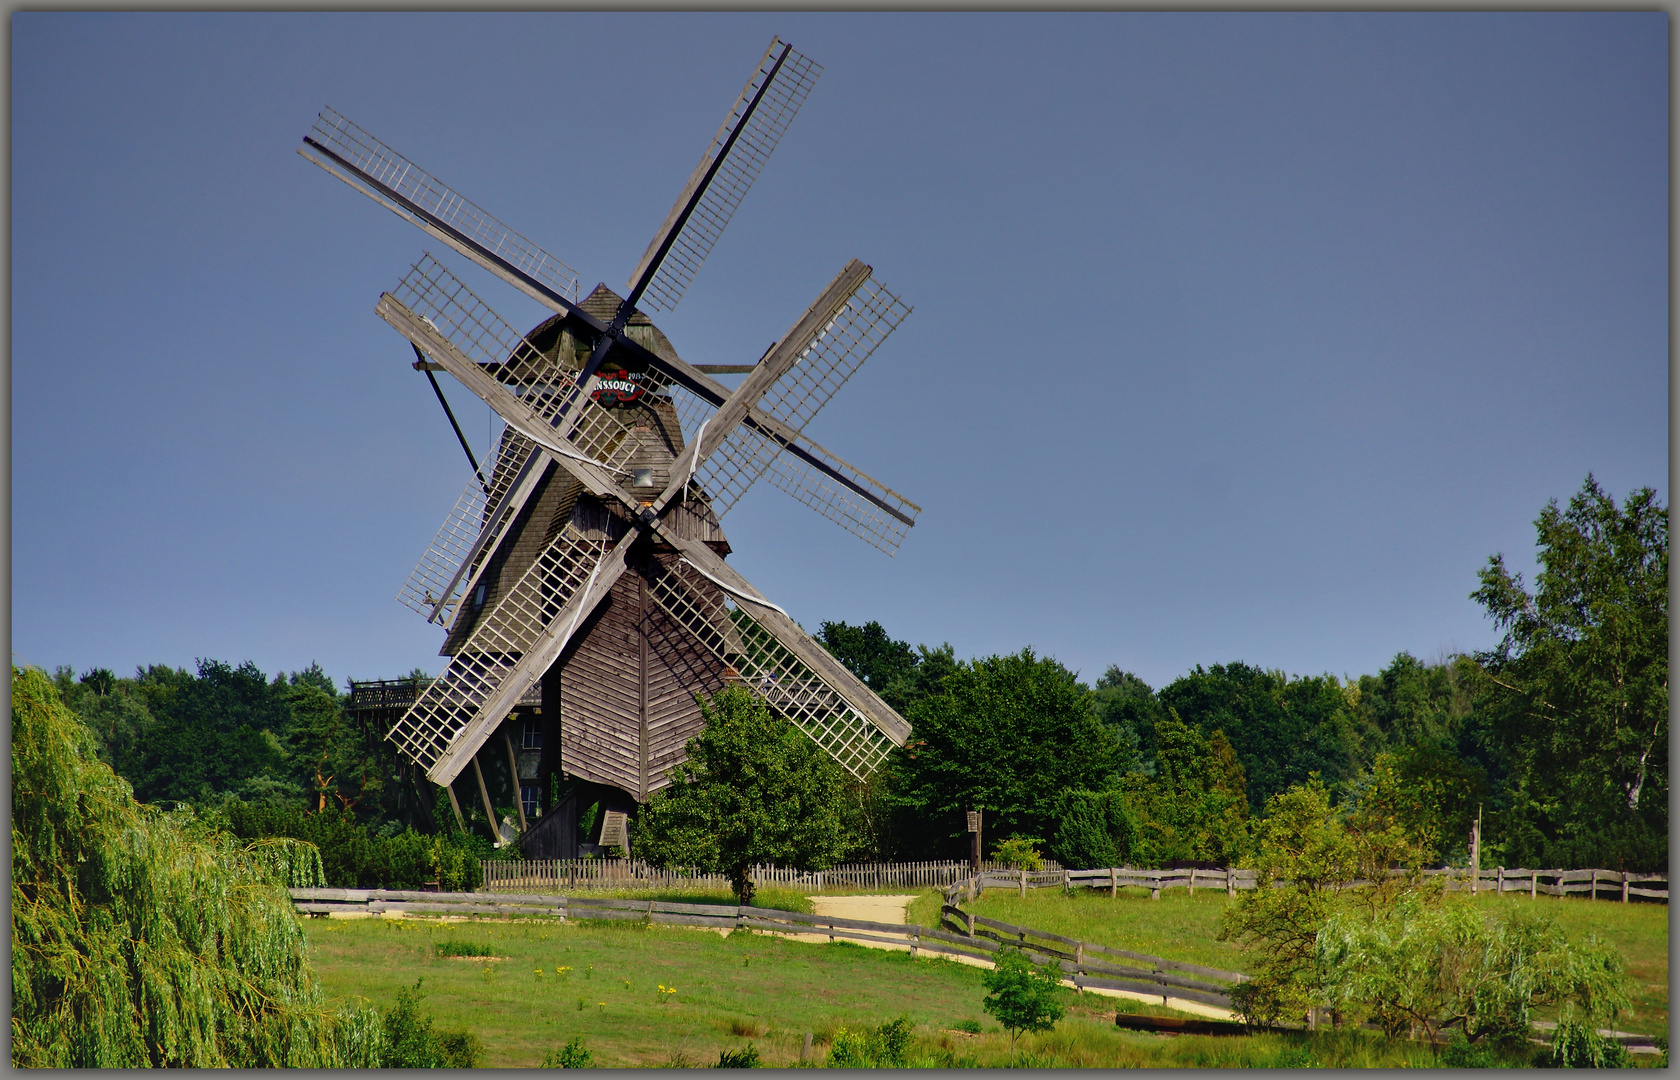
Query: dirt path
x=881 y=909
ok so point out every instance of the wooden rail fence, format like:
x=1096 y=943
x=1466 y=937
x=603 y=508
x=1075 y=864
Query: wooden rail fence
x=1617 y=884
x=1084 y=965
x=553 y=875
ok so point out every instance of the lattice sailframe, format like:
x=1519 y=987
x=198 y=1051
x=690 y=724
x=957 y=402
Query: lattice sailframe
x=497 y=642
x=767 y=668
x=781 y=101
x=545 y=383
x=412 y=193
x=834 y=355
x=431 y=577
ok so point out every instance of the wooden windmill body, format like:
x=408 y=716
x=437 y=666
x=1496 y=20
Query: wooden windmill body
x=581 y=576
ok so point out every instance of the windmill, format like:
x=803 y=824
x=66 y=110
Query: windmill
x=582 y=571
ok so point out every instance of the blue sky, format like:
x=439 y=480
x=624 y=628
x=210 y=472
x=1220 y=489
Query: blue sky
x=1236 y=336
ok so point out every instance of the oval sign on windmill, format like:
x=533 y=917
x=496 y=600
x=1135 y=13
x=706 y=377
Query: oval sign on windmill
x=618 y=388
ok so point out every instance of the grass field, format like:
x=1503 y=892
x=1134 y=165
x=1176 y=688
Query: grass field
x=736 y=989
x=741 y=988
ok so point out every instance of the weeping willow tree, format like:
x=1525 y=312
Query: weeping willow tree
x=144 y=938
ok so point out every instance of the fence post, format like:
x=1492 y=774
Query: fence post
x=1192 y=881
x=1023 y=873
x=1230 y=882
x=1624 y=886
x=1499 y=887
x=1533 y=884
x=1592 y=890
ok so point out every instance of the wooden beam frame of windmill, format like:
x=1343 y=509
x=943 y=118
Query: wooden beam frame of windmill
x=537 y=658
x=678 y=371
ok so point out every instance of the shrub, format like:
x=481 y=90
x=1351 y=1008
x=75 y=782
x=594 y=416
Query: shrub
x=882 y=1048
x=574 y=1055
x=351 y=858
x=410 y=1042
x=1422 y=965
x=463 y=948
x=745 y=1058
x=1096 y=830
x=1020 y=853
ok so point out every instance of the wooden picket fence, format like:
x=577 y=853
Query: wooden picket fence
x=1618 y=884
x=554 y=875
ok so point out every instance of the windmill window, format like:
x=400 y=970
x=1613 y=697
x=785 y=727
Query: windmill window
x=532 y=739
x=478 y=595
x=530 y=797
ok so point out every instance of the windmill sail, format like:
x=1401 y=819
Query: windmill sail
x=442 y=717
x=738 y=152
x=368 y=165
x=799 y=466
x=434 y=587
x=769 y=669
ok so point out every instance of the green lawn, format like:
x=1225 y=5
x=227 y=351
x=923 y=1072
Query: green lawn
x=743 y=988
x=768 y=991
x=1182 y=927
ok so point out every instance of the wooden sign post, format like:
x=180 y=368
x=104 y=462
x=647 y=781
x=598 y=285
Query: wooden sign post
x=974 y=840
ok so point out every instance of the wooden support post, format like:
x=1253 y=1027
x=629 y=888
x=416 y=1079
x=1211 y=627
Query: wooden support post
x=970 y=916
x=805 y=1047
x=513 y=774
x=1533 y=884
x=1592 y=890
x=1476 y=853
x=1113 y=884
x=455 y=806
x=1192 y=881
x=1230 y=882
x=1023 y=873
x=1499 y=883
x=489 y=811
x=1624 y=886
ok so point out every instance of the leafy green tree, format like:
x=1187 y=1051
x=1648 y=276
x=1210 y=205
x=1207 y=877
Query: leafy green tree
x=901 y=675
x=1304 y=856
x=1021 y=996
x=1282 y=729
x=753 y=790
x=1308 y=855
x=1194 y=805
x=1429 y=791
x=1007 y=734
x=1577 y=687
x=143 y=939
x=1127 y=704
x=1095 y=829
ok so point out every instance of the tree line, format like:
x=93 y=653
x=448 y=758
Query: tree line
x=1557 y=736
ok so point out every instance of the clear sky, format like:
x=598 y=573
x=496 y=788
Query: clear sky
x=1236 y=336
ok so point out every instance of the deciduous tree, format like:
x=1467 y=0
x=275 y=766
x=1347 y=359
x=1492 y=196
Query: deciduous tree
x=1578 y=685
x=753 y=790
